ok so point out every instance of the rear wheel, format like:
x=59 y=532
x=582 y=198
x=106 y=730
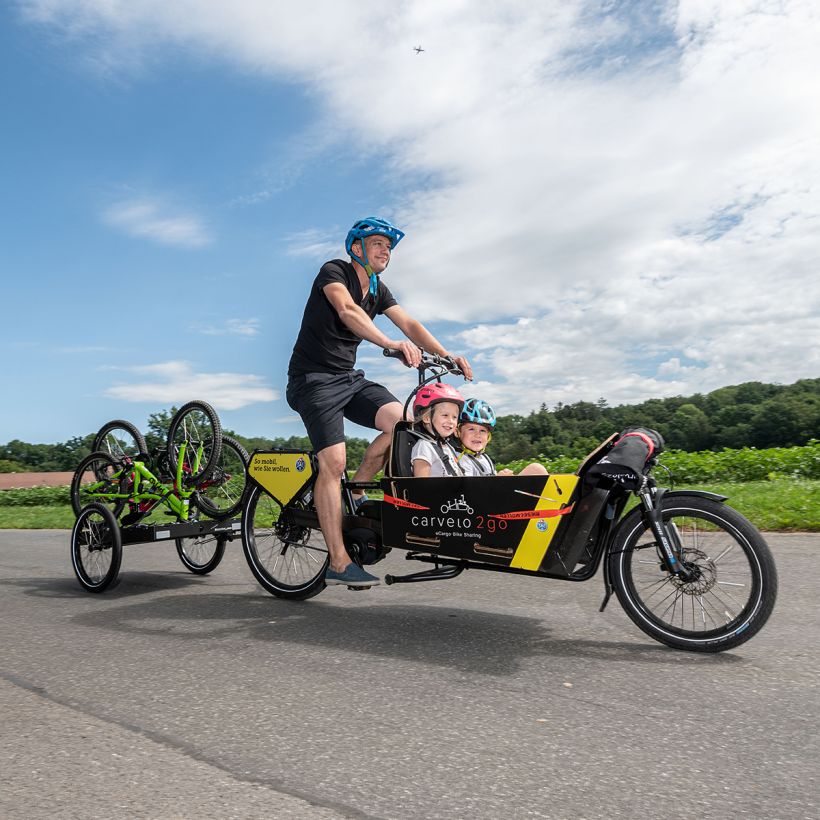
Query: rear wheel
x=201 y=553
x=196 y=425
x=220 y=496
x=96 y=548
x=120 y=438
x=288 y=560
x=97 y=479
x=734 y=580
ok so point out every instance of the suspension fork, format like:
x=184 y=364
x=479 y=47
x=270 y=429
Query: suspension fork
x=665 y=537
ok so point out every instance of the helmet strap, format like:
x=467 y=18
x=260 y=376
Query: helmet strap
x=363 y=261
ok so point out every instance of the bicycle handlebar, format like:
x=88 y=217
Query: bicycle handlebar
x=428 y=361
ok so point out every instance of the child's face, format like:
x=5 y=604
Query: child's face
x=443 y=418
x=474 y=436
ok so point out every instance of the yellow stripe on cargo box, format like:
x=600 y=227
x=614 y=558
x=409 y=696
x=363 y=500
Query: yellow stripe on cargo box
x=281 y=474
x=536 y=539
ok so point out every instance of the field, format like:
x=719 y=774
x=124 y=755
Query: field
x=783 y=504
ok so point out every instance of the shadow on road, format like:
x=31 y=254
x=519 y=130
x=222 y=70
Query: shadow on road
x=139 y=583
x=471 y=641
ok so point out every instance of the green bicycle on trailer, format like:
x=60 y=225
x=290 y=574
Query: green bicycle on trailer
x=201 y=471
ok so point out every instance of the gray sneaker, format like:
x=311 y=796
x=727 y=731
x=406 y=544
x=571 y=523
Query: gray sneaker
x=353 y=576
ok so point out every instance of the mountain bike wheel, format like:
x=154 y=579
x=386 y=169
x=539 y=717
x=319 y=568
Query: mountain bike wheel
x=201 y=553
x=220 y=496
x=288 y=560
x=120 y=438
x=96 y=548
x=197 y=425
x=735 y=584
x=98 y=476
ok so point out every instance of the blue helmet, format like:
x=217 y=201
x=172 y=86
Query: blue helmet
x=372 y=226
x=476 y=411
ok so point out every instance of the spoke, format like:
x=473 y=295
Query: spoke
x=728 y=549
x=702 y=609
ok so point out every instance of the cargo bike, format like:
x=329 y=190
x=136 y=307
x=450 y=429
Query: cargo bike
x=688 y=570
x=188 y=492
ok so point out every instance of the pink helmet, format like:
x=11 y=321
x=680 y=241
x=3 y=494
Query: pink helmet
x=432 y=394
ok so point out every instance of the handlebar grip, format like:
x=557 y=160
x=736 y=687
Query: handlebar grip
x=392 y=353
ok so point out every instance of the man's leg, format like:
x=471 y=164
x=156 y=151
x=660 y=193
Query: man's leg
x=376 y=453
x=327 y=497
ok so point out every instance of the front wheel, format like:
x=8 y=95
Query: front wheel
x=96 y=548
x=733 y=586
x=288 y=560
x=201 y=554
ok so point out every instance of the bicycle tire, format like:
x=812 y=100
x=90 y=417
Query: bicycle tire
x=96 y=548
x=201 y=554
x=734 y=590
x=97 y=474
x=197 y=424
x=287 y=560
x=120 y=438
x=220 y=496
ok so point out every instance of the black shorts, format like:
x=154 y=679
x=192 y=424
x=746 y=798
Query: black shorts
x=325 y=400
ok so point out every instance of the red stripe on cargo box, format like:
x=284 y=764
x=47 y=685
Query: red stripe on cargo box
x=400 y=502
x=523 y=514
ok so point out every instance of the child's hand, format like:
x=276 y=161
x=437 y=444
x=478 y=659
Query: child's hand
x=506 y=471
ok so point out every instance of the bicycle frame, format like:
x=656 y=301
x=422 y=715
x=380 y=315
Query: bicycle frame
x=174 y=496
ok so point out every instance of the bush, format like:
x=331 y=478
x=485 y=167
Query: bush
x=747 y=464
x=35 y=497
x=9 y=466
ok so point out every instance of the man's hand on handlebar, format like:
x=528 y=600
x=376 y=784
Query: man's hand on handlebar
x=409 y=353
x=464 y=367
x=413 y=357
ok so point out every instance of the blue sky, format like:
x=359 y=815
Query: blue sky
x=601 y=199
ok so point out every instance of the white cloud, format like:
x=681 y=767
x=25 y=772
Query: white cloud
x=176 y=382
x=316 y=244
x=231 y=327
x=635 y=180
x=148 y=219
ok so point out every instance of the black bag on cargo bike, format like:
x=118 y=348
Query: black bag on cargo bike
x=628 y=461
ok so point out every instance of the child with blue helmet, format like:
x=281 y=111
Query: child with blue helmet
x=476 y=423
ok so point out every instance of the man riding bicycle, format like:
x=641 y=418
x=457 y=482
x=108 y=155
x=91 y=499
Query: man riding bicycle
x=324 y=388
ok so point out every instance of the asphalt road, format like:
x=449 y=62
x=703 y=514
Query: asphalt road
x=488 y=696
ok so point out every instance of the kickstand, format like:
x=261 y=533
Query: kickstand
x=437 y=574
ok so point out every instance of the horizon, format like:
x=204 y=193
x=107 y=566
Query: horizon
x=370 y=434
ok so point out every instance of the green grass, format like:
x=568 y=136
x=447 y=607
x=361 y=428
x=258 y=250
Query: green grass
x=782 y=504
x=60 y=517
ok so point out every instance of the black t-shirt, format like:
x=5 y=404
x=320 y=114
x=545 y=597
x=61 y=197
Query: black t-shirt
x=325 y=344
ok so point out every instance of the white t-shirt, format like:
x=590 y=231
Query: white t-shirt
x=476 y=465
x=425 y=450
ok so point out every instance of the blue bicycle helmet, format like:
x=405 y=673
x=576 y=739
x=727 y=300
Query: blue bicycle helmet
x=371 y=226
x=476 y=411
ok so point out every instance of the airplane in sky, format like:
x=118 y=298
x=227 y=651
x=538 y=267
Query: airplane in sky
x=418 y=49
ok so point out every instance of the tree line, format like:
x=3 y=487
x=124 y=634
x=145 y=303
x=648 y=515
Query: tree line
x=752 y=414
